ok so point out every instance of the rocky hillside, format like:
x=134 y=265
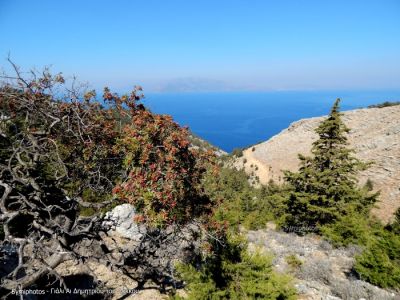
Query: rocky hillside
x=320 y=270
x=198 y=143
x=375 y=136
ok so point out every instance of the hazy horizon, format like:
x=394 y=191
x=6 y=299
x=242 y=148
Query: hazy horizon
x=209 y=46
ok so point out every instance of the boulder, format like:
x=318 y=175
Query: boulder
x=120 y=221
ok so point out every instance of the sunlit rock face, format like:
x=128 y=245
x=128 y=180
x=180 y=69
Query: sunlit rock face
x=120 y=221
x=374 y=135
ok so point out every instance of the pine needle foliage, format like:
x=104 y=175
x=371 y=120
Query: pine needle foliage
x=234 y=273
x=325 y=187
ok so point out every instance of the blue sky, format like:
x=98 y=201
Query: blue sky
x=208 y=45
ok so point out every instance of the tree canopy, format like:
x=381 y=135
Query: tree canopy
x=62 y=153
x=325 y=187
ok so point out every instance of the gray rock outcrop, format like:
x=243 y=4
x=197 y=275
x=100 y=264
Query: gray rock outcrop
x=142 y=255
x=321 y=271
x=120 y=221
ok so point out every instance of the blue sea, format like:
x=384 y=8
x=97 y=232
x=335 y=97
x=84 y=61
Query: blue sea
x=231 y=120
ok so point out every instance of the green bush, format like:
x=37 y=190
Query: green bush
x=395 y=225
x=237 y=152
x=255 y=220
x=385 y=104
x=379 y=263
x=348 y=230
x=244 y=204
x=234 y=273
x=293 y=261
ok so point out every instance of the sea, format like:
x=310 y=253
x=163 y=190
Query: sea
x=231 y=120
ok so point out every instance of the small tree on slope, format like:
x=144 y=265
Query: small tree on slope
x=325 y=187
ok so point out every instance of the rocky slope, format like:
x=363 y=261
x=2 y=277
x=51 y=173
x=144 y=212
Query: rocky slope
x=375 y=136
x=321 y=271
x=203 y=145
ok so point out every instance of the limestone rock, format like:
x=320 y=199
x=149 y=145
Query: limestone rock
x=324 y=271
x=120 y=221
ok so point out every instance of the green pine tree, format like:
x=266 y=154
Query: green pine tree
x=325 y=187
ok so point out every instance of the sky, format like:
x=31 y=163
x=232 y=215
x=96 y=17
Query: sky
x=208 y=45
